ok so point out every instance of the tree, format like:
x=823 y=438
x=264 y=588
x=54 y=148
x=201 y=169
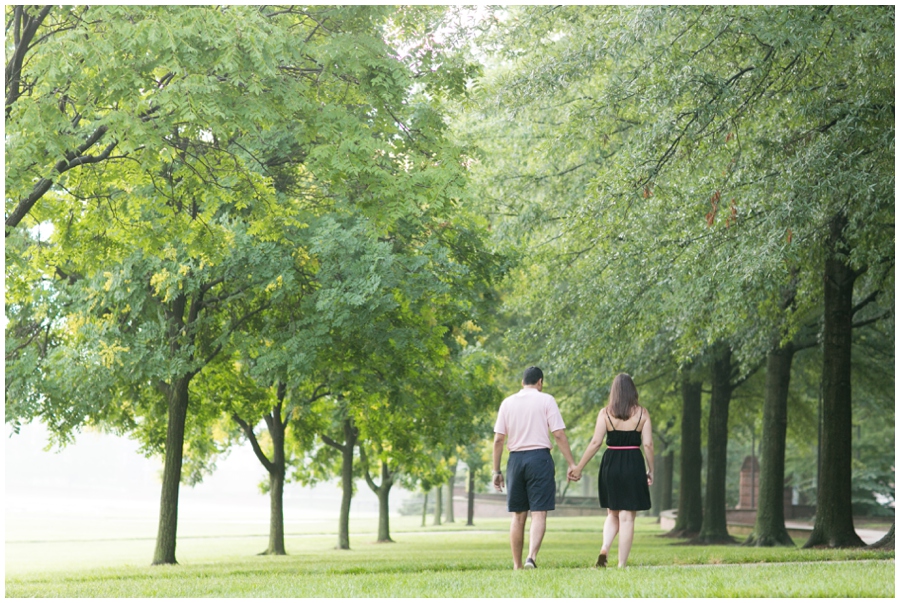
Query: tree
x=146 y=328
x=451 y=484
x=200 y=175
x=690 y=501
x=636 y=122
x=714 y=528
x=886 y=541
x=345 y=446
x=769 y=528
x=834 y=515
x=428 y=411
x=290 y=421
x=275 y=466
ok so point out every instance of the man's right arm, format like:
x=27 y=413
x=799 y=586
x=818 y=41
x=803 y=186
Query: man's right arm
x=499 y=440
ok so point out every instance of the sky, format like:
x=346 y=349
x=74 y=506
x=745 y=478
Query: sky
x=102 y=481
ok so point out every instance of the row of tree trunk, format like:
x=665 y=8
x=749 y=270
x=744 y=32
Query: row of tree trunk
x=447 y=513
x=703 y=518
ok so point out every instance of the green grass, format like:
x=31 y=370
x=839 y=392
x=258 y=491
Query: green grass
x=455 y=561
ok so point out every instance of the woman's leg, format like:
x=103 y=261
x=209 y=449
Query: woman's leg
x=610 y=529
x=626 y=535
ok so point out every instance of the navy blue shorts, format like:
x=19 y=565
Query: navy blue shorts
x=530 y=481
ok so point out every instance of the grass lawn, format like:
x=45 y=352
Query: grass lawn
x=445 y=561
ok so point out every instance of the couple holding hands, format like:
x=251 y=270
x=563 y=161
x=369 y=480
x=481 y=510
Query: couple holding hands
x=525 y=422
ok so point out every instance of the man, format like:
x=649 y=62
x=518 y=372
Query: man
x=525 y=419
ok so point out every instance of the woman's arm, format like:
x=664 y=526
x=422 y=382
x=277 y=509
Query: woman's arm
x=647 y=443
x=595 y=443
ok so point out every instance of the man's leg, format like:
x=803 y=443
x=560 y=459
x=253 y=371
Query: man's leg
x=538 y=526
x=541 y=497
x=626 y=535
x=517 y=537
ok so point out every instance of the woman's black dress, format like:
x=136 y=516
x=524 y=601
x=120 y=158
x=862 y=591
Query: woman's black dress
x=623 y=478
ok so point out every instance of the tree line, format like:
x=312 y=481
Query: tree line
x=245 y=223
x=328 y=231
x=703 y=195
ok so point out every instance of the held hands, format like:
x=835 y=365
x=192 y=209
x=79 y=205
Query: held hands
x=649 y=478
x=574 y=474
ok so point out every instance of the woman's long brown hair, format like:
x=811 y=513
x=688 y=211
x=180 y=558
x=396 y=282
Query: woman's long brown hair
x=623 y=397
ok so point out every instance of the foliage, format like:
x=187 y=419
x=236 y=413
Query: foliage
x=281 y=207
x=671 y=172
x=634 y=123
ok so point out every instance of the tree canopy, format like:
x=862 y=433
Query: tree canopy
x=352 y=224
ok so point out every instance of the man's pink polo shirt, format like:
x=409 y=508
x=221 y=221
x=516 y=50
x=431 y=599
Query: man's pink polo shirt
x=526 y=418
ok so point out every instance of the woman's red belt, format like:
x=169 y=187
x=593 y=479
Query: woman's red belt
x=623 y=447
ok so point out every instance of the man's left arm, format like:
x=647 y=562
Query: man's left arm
x=558 y=429
x=563 y=442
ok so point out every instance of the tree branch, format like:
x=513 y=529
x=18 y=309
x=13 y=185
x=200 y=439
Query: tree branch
x=248 y=431
x=233 y=328
x=652 y=379
x=43 y=185
x=72 y=277
x=866 y=301
x=365 y=463
x=333 y=443
x=207 y=286
x=743 y=379
x=316 y=395
x=23 y=39
x=805 y=345
x=863 y=323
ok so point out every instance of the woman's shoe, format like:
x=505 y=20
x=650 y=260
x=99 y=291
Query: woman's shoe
x=601 y=561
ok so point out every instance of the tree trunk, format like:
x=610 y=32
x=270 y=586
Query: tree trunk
x=714 y=529
x=425 y=508
x=276 y=514
x=177 y=403
x=655 y=490
x=690 y=492
x=769 y=529
x=437 y=505
x=666 y=478
x=384 y=492
x=661 y=490
x=834 y=511
x=470 y=511
x=886 y=542
x=346 y=449
x=350 y=435
x=449 y=517
x=276 y=478
x=275 y=468
x=384 y=520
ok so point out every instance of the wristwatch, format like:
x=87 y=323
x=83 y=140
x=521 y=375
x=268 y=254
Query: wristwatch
x=498 y=473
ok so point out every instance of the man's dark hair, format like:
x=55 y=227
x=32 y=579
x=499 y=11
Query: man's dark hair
x=532 y=375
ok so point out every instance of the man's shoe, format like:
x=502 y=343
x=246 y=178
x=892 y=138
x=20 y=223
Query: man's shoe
x=601 y=561
x=530 y=564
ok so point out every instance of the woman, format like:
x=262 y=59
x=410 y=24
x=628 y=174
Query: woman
x=624 y=484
